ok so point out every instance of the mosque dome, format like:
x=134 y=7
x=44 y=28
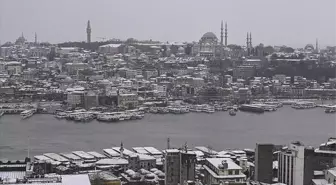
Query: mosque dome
x=309 y=47
x=209 y=35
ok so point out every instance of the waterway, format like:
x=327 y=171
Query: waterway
x=44 y=133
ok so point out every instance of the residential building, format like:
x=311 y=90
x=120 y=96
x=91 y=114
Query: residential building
x=296 y=165
x=223 y=170
x=128 y=100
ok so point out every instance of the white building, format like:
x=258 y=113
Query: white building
x=222 y=170
x=14 y=67
x=109 y=49
x=75 y=96
x=291 y=165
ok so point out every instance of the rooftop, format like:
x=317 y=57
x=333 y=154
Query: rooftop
x=219 y=161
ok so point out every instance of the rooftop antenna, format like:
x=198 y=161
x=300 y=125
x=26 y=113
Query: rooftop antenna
x=186 y=147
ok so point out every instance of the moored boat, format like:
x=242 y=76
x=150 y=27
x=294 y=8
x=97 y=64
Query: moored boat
x=27 y=113
x=232 y=112
x=251 y=108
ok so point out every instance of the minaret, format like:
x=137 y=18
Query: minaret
x=221 y=41
x=168 y=143
x=226 y=34
x=121 y=150
x=88 y=32
x=248 y=44
x=251 y=40
x=35 y=38
x=317 y=46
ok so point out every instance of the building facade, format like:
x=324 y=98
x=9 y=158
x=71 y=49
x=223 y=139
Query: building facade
x=264 y=163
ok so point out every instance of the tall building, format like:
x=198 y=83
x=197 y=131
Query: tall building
x=172 y=167
x=88 y=32
x=296 y=165
x=187 y=166
x=264 y=163
x=179 y=166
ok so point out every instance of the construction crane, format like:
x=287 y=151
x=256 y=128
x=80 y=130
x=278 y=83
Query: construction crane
x=101 y=38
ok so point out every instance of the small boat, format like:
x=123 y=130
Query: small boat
x=232 y=112
x=2 y=113
x=27 y=113
x=330 y=110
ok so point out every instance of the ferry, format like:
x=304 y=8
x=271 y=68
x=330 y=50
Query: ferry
x=330 y=109
x=266 y=107
x=61 y=115
x=251 y=108
x=303 y=105
x=208 y=109
x=27 y=113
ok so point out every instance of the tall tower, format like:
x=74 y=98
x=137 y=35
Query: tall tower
x=221 y=41
x=247 y=41
x=226 y=34
x=35 y=38
x=317 y=46
x=248 y=44
x=121 y=150
x=88 y=32
x=251 y=40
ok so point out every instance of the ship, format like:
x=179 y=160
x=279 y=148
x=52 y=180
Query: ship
x=27 y=113
x=251 y=108
x=232 y=112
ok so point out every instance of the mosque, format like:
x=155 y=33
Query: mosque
x=209 y=46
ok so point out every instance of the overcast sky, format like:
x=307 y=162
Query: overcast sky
x=272 y=22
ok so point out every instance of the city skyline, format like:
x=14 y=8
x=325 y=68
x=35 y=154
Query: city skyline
x=171 y=21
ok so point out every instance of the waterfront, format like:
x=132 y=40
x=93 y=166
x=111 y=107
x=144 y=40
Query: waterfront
x=218 y=130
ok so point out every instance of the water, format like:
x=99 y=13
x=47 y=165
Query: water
x=218 y=130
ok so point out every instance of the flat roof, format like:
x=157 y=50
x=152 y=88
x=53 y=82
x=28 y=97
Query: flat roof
x=206 y=150
x=110 y=152
x=218 y=161
x=223 y=176
x=140 y=150
x=83 y=155
x=97 y=155
x=56 y=157
x=125 y=152
x=153 y=150
x=42 y=158
x=114 y=161
x=70 y=156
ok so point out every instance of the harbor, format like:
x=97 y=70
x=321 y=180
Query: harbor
x=102 y=114
x=45 y=133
